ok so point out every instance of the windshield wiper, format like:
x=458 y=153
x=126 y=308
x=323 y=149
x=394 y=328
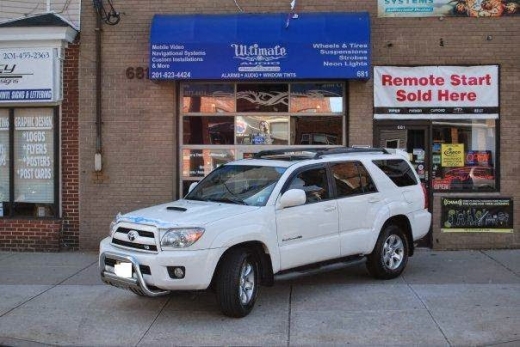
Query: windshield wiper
x=233 y=201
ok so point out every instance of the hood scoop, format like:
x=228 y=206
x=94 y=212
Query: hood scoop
x=176 y=208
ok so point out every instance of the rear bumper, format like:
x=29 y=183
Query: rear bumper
x=422 y=221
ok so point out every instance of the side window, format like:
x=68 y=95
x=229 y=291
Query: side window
x=313 y=182
x=398 y=170
x=352 y=178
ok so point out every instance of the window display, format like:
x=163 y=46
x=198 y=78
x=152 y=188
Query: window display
x=34 y=166
x=463 y=155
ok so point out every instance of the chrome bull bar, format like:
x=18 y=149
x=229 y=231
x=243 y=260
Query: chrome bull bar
x=134 y=284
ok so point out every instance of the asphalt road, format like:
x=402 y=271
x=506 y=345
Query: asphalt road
x=457 y=298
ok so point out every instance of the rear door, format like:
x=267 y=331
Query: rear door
x=309 y=233
x=358 y=205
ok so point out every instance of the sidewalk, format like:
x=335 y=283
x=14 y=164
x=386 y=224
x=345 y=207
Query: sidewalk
x=463 y=298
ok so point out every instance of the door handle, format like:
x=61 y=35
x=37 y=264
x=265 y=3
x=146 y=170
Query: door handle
x=374 y=199
x=330 y=208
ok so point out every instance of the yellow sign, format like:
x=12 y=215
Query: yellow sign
x=452 y=155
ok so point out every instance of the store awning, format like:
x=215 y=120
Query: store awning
x=260 y=46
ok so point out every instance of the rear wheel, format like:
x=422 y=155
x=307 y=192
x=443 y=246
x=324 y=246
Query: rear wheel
x=390 y=254
x=237 y=283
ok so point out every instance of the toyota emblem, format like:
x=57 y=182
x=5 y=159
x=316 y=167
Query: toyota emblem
x=132 y=235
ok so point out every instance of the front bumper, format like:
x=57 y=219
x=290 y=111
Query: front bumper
x=156 y=280
x=136 y=283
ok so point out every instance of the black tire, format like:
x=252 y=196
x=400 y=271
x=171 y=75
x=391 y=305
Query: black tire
x=390 y=254
x=237 y=283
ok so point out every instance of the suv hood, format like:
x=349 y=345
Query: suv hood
x=182 y=213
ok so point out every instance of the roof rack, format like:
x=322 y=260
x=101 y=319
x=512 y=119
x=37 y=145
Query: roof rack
x=313 y=152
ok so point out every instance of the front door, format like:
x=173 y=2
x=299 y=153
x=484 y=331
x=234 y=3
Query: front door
x=309 y=233
x=414 y=139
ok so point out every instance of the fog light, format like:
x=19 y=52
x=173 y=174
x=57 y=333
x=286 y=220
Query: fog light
x=176 y=272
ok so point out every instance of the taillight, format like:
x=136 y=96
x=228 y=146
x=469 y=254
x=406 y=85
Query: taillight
x=425 y=193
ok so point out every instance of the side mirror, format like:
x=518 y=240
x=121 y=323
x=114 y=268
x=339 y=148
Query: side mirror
x=293 y=197
x=193 y=185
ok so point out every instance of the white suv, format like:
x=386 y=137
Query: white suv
x=280 y=211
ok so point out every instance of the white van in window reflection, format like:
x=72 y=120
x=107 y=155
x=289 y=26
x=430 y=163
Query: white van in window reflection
x=318 y=139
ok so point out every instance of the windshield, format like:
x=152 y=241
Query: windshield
x=238 y=184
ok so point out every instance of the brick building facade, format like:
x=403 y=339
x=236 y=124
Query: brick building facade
x=142 y=135
x=142 y=146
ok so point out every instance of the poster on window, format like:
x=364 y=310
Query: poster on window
x=436 y=92
x=452 y=155
x=34 y=156
x=448 y=8
x=4 y=158
x=477 y=215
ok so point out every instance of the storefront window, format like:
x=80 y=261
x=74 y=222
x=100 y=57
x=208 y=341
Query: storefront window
x=262 y=97
x=262 y=130
x=208 y=98
x=317 y=97
x=4 y=160
x=210 y=130
x=222 y=122
x=200 y=162
x=34 y=180
x=316 y=130
x=464 y=155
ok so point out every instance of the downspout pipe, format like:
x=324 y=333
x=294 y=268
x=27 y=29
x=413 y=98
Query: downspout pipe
x=97 y=156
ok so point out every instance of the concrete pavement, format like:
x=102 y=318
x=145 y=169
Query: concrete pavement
x=462 y=298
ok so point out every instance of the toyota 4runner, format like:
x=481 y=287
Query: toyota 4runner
x=277 y=212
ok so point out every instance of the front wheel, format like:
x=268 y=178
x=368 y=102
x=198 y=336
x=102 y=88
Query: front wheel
x=390 y=254
x=237 y=283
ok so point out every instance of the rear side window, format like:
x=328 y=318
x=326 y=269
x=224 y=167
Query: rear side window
x=351 y=178
x=398 y=170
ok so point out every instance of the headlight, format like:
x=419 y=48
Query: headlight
x=181 y=238
x=113 y=225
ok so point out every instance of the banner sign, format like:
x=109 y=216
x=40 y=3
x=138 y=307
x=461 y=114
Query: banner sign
x=448 y=8
x=432 y=92
x=477 y=215
x=29 y=75
x=260 y=46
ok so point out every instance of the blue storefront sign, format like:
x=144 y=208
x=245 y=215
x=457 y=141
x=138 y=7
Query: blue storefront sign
x=260 y=46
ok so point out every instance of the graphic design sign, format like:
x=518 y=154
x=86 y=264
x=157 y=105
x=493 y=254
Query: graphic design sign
x=477 y=215
x=452 y=155
x=28 y=75
x=448 y=8
x=260 y=46
x=34 y=163
x=432 y=92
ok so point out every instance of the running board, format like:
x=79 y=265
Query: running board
x=323 y=265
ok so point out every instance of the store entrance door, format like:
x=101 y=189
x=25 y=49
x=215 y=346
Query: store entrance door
x=414 y=139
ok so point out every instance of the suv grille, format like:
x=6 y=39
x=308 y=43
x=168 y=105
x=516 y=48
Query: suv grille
x=136 y=239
